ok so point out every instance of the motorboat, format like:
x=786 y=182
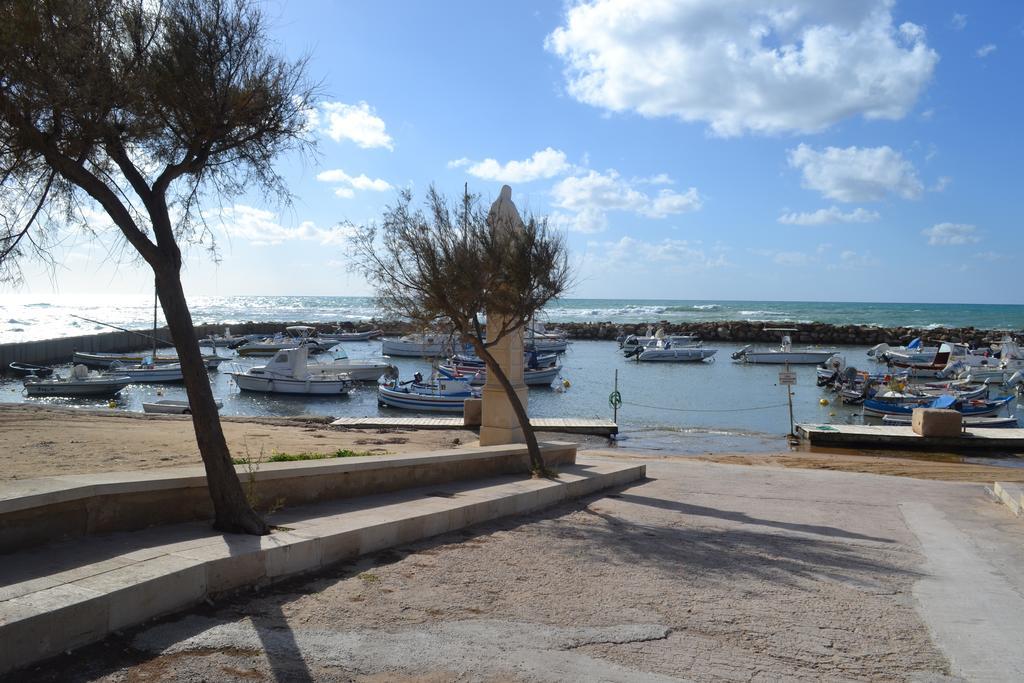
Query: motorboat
x=103 y=360
x=172 y=407
x=914 y=351
x=947 y=402
x=288 y=373
x=666 y=351
x=79 y=383
x=987 y=422
x=418 y=346
x=358 y=370
x=444 y=395
x=540 y=376
x=340 y=336
x=631 y=343
x=26 y=369
x=147 y=371
x=294 y=336
x=784 y=353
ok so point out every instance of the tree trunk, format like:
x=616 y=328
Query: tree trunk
x=232 y=512
x=536 y=459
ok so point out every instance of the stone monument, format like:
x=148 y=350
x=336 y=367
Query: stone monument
x=498 y=423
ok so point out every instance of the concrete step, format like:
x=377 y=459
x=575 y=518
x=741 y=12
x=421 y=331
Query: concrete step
x=1012 y=496
x=62 y=596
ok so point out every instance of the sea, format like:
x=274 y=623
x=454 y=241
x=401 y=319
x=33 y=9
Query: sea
x=671 y=409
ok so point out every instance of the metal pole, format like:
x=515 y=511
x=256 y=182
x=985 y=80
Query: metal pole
x=615 y=406
x=789 y=393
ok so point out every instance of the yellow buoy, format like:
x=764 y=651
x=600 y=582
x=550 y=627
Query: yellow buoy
x=565 y=383
x=832 y=414
x=111 y=403
x=823 y=402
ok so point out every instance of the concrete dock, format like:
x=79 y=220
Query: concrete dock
x=593 y=427
x=904 y=438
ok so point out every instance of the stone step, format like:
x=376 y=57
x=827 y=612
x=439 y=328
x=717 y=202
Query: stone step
x=1012 y=496
x=63 y=596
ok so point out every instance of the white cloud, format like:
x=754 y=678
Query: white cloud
x=592 y=195
x=349 y=184
x=985 y=50
x=676 y=253
x=588 y=221
x=833 y=214
x=546 y=163
x=990 y=256
x=951 y=234
x=356 y=122
x=261 y=227
x=959 y=22
x=856 y=174
x=764 y=66
x=941 y=184
x=852 y=260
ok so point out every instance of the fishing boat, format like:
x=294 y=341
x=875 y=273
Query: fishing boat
x=631 y=344
x=79 y=383
x=975 y=408
x=666 y=351
x=784 y=353
x=288 y=373
x=294 y=336
x=172 y=407
x=26 y=369
x=146 y=371
x=103 y=360
x=477 y=376
x=1010 y=421
x=444 y=395
x=914 y=351
x=417 y=346
x=367 y=370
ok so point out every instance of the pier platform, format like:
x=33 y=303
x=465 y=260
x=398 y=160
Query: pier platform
x=904 y=438
x=571 y=425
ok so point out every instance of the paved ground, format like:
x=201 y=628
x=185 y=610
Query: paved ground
x=705 y=572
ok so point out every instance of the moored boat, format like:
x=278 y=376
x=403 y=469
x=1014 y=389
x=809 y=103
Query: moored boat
x=444 y=395
x=784 y=353
x=359 y=370
x=172 y=407
x=477 y=376
x=977 y=408
x=666 y=351
x=79 y=383
x=417 y=346
x=103 y=360
x=987 y=422
x=294 y=336
x=146 y=372
x=287 y=373
x=26 y=369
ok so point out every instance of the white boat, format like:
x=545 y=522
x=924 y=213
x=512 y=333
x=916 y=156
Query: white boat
x=446 y=395
x=171 y=407
x=784 y=353
x=418 y=346
x=103 y=360
x=666 y=351
x=294 y=336
x=632 y=344
x=914 y=351
x=358 y=370
x=339 y=336
x=287 y=373
x=79 y=383
x=147 y=372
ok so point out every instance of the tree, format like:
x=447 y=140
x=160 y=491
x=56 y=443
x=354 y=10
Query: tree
x=142 y=108
x=447 y=266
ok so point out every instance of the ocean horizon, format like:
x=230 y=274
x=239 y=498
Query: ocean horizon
x=32 y=317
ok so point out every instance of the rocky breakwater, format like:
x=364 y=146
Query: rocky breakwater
x=805 y=333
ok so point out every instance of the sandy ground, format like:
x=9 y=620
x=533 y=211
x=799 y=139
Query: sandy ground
x=704 y=572
x=36 y=442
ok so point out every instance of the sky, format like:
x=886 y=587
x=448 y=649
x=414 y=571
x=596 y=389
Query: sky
x=807 y=150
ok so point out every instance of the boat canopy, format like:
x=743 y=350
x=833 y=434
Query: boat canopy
x=944 y=401
x=914 y=343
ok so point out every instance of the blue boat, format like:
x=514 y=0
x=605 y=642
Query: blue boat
x=446 y=395
x=946 y=402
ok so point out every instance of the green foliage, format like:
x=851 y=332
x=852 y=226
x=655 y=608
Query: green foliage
x=295 y=457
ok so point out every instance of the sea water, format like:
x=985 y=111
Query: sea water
x=24 y=317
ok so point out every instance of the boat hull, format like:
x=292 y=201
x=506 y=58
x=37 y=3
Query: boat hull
x=74 y=389
x=683 y=355
x=103 y=360
x=422 y=402
x=278 y=385
x=406 y=349
x=783 y=357
x=170 y=407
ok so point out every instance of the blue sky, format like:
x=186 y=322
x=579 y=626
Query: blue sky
x=714 y=149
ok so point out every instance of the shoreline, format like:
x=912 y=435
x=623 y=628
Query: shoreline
x=46 y=441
